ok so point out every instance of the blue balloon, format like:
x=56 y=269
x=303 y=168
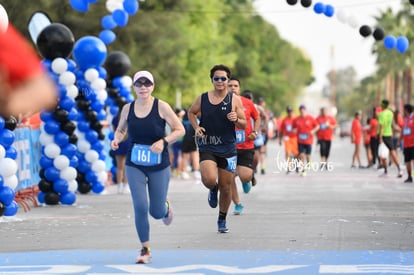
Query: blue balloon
x=68 y=198
x=6 y=195
x=83 y=126
x=98 y=146
x=102 y=72
x=91 y=176
x=61 y=186
x=402 y=44
x=131 y=6
x=11 y=152
x=329 y=10
x=89 y=51
x=91 y=136
x=101 y=115
x=52 y=173
x=61 y=138
x=79 y=5
x=67 y=103
x=390 y=42
x=11 y=209
x=114 y=110
x=108 y=23
x=69 y=150
x=41 y=197
x=45 y=162
x=97 y=105
x=1 y=182
x=52 y=127
x=62 y=92
x=46 y=116
x=107 y=36
x=73 y=114
x=74 y=161
x=319 y=8
x=120 y=17
x=6 y=137
x=97 y=187
x=2 y=123
x=84 y=166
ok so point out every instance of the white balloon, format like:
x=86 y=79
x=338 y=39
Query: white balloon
x=91 y=156
x=91 y=75
x=98 y=84
x=67 y=78
x=69 y=173
x=102 y=95
x=72 y=91
x=353 y=22
x=8 y=167
x=112 y=5
x=52 y=150
x=59 y=65
x=98 y=166
x=45 y=138
x=2 y=152
x=83 y=146
x=61 y=162
x=11 y=181
x=342 y=16
x=73 y=185
x=126 y=81
x=4 y=20
x=102 y=176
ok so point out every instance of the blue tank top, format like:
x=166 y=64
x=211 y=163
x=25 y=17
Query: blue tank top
x=146 y=131
x=220 y=135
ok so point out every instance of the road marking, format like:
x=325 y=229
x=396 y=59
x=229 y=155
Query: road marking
x=361 y=269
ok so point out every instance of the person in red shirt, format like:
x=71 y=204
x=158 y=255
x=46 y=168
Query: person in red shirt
x=288 y=135
x=245 y=144
x=327 y=125
x=408 y=140
x=356 y=139
x=373 y=141
x=305 y=126
x=25 y=86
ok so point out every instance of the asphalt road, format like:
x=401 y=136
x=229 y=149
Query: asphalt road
x=340 y=210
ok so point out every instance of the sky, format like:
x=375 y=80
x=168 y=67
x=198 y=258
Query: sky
x=329 y=42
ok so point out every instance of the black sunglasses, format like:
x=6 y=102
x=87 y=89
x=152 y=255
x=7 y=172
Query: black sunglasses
x=139 y=84
x=220 y=78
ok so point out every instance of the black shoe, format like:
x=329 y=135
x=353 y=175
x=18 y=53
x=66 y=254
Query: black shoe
x=408 y=180
x=254 y=182
x=262 y=171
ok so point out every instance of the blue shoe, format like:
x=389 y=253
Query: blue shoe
x=222 y=226
x=213 y=197
x=246 y=187
x=238 y=209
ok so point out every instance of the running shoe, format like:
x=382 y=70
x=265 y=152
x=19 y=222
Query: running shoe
x=222 y=228
x=145 y=256
x=246 y=187
x=408 y=180
x=254 y=182
x=400 y=174
x=238 y=209
x=167 y=220
x=213 y=197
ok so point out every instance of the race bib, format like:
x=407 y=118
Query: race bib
x=240 y=136
x=142 y=155
x=259 y=141
x=303 y=136
x=323 y=126
x=289 y=128
x=231 y=164
x=407 y=131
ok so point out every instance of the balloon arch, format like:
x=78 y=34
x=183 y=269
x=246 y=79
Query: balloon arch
x=91 y=89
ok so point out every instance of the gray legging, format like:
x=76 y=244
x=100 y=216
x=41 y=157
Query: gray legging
x=158 y=182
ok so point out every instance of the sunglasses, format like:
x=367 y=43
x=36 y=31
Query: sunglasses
x=220 y=78
x=139 y=84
